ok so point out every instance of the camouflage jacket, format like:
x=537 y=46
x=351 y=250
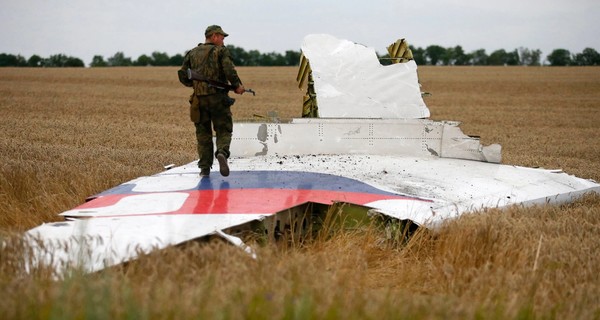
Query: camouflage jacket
x=213 y=62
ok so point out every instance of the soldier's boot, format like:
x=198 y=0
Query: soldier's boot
x=204 y=172
x=223 y=166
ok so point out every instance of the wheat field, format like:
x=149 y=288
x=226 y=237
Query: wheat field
x=71 y=133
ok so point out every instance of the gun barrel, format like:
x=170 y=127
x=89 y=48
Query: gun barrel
x=192 y=75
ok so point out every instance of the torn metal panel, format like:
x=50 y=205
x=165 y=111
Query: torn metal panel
x=237 y=242
x=435 y=188
x=351 y=83
x=97 y=243
x=411 y=137
x=455 y=144
x=424 y=190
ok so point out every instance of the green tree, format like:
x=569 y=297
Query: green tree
x=529 y=57
x=253 y=59
x=239 y=55
x=277 y=58
x=160 y=58
x=460 y=57
x=11 y=60
x=559 y=57
x=292 y=58
x=119 y=60
x=176 y=60
x=479 y=57
x=62 y=60
x=74 y=62
x=434 y=54
x=497 y=58
x=143 y=61
x=449 y=57
x=536 y=57
x=418 y=55
x=501 y=58
x=35 y=61
x=98 y=61
x=270 y=59
x=512 y=58
x=588 y=57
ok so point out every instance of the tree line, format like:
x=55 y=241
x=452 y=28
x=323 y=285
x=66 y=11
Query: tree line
x=456 y=56
x=431 y=55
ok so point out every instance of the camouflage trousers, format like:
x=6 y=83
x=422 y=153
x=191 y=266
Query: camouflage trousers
x=208 y=112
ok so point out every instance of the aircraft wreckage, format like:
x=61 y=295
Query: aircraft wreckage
x=364 y=140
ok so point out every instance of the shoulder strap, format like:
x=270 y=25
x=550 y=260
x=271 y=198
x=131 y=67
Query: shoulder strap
x=208 y=55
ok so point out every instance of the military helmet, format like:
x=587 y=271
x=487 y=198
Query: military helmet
x=214 y=29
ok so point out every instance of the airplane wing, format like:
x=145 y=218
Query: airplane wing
x=371 y=148
x=176 y=205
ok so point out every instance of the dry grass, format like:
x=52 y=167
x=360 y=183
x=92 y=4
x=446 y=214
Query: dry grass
x=70 y=133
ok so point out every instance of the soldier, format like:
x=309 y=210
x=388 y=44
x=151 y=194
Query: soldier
x=211 y=105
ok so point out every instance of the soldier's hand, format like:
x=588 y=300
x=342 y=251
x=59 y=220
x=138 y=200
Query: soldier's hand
x=240 y=89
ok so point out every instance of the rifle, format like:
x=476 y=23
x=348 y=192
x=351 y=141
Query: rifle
x=193 y=75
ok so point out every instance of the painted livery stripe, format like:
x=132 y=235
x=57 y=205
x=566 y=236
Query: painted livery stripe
x=243 y=192
x=295 y=180
x=231 y=201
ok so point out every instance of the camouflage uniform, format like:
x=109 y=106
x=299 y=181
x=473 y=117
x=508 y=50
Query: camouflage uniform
x=209 y=104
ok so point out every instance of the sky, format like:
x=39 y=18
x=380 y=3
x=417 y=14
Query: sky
x=85 y=28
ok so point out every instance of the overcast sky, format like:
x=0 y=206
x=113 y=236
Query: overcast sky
x=84 y=28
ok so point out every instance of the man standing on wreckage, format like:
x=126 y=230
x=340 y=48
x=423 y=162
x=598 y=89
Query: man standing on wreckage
x=210 y=104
